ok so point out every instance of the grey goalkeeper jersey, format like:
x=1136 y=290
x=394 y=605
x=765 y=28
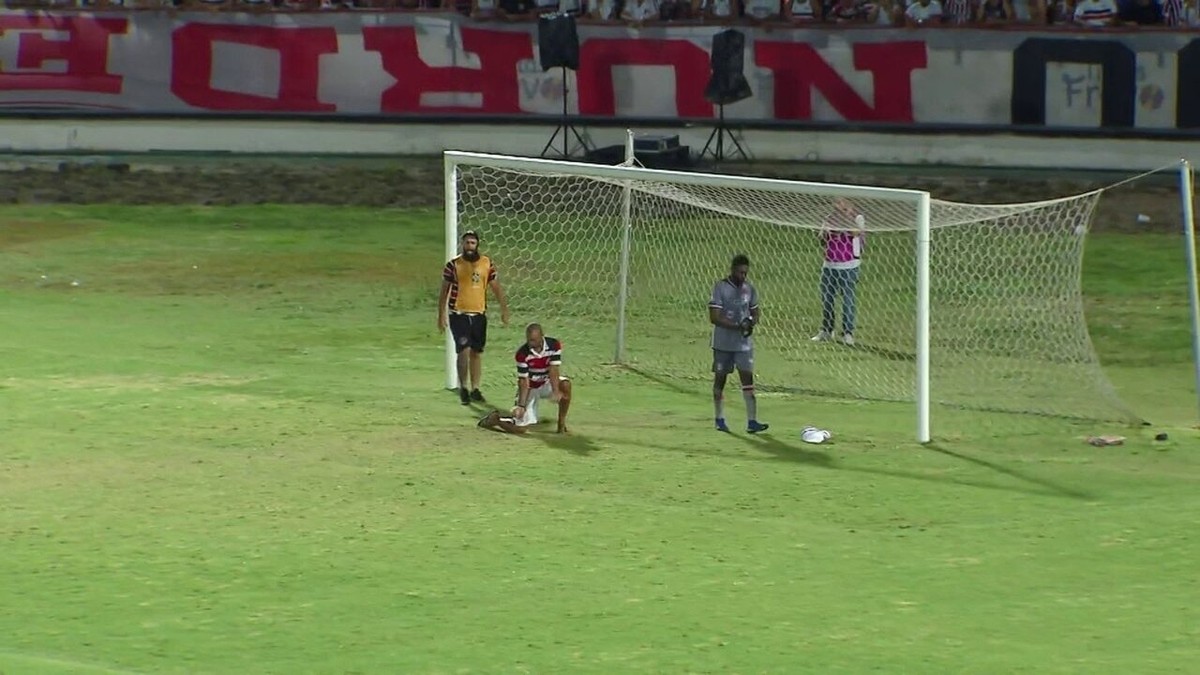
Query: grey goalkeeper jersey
x=735 y=303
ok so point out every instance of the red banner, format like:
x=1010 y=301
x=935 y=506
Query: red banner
x=410 y=63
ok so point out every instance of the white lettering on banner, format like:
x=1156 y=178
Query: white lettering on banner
x=439 y=45
x=245 y=69
x=639 y=90
x=543 y=92
x=432 y=63
x=354 y=78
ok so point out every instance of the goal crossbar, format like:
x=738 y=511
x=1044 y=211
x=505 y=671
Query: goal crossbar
x=634 y=173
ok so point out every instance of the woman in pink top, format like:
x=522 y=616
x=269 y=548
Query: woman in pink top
x=842 y=235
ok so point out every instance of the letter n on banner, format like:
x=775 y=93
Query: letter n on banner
x=799 y=69
x=84 y=52
x=299 y=52
x=597 y=57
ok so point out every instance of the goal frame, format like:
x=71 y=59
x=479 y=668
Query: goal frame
x=918 y=199
x=629 y=171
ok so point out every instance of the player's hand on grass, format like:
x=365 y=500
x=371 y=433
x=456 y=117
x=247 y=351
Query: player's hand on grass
x=441 y=323
x=518 y=412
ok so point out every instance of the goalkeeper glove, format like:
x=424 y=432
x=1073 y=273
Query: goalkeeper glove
x=747 y=326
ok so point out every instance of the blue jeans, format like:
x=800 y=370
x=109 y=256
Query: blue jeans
x=834 y=282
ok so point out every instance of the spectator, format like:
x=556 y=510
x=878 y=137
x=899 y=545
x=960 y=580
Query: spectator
x=1141 y=13
x=1061 y=12
x=1096 y=13
x=484 y=9
x=1183 y=13
x=882 y=13
x=802 y=11
x=603 y=11
x=675 y=10
x=994 y=12
x=762 y=11
x=641 y=12
x=515 y=10
x=718 y=11
x=1173 y=12
x=923 y=13
x=847 y=11
x=958 y=12
x=1029 y=11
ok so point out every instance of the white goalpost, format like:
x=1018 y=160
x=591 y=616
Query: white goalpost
x=968 y=305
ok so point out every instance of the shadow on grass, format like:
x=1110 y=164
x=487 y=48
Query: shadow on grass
x=885 y=353
x=573 y=443
x=782 y=451
x=786 y=452
x=1048 y=486
x=701 y=388
x=776 y=450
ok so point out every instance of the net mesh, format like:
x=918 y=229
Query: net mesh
x=1007 y=322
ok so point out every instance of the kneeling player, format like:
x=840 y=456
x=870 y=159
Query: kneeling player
x=538 y=377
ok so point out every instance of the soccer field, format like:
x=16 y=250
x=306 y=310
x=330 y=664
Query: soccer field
x=226 y=449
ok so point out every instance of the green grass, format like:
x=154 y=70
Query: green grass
x=227 y=450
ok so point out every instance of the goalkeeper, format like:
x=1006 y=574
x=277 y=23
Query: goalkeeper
x=733 y=312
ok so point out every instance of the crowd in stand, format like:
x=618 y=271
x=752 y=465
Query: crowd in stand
x=1178 y=14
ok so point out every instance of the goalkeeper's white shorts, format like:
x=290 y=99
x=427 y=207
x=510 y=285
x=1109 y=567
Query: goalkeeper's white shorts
x=530 y=417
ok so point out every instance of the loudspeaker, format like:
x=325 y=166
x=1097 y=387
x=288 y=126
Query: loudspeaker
x=728 y=84
x=558 y=42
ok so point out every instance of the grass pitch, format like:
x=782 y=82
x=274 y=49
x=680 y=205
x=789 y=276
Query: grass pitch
x=226 y=450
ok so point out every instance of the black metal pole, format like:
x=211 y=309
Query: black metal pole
x=564 y=112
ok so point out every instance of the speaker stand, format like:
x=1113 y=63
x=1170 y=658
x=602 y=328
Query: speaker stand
x=566 y=128
x=719 y=133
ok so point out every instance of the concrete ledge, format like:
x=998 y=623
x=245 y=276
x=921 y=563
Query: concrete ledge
x=305 y=137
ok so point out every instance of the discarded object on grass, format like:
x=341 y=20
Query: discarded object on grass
x=1101 y=441
x=1161 y=437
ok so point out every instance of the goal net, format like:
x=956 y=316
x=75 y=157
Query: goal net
x=619 y=262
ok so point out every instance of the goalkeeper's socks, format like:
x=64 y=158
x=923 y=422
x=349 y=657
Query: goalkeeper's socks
x=751 y=401
x=719 y=406
x=721 y=426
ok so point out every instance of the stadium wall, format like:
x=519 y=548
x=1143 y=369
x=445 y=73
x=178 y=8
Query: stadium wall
x=249 y=136
x=404 y=82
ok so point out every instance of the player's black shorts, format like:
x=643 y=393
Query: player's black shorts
x=469 y=330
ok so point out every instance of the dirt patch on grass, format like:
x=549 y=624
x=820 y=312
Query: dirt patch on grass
x=15 y=233
x=417 y=182
x=124 y=382
x=221 y=274
x=265 y=182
